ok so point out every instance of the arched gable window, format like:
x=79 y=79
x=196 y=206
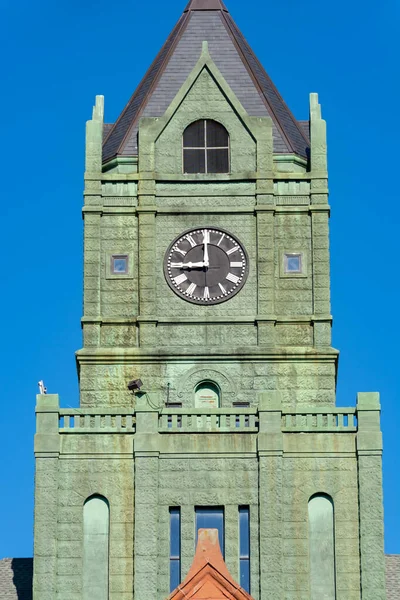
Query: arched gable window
x=205 y=147
x=321 y=522
x=96 y=525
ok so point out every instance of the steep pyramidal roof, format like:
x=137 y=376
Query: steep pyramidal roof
x=206 y=20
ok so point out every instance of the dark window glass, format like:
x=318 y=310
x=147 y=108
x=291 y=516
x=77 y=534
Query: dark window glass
x=194 y=135
x=205 y=148
x=194 y=161
x=244 y=547
x=217 y=161
x=217 y=135
x=175 y=547
x=211 y=518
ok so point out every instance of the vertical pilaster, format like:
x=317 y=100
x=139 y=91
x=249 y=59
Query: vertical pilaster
x=320 y=226
x=92 y=267
x=187 y=538
x=146 y=453
x=147 y=234
x=47 y=447
x=369 y=455
x=270 y=458
x=232 y=540
x=92 y=220
x=265 y=235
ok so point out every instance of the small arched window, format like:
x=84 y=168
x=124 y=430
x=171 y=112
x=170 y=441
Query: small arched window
x=205 y=148
x=207 y=394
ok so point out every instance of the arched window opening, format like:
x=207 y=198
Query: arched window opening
x=207 y=394
x=96 y=526
x=322 y=547
x=205 y=147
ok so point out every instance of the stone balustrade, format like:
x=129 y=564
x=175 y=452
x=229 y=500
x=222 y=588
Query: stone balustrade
x=312 y=419
x=95 y=421
x=221 y=420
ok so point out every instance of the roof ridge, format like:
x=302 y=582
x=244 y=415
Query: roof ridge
x=120 y=137
x=172 y=38
x=206 y=5
x=233 y=28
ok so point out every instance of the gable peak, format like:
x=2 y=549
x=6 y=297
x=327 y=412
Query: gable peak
x=206 y=5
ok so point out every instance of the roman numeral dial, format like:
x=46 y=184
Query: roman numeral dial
x=206 y=265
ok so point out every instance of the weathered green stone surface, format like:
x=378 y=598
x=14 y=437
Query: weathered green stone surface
x=268 y=349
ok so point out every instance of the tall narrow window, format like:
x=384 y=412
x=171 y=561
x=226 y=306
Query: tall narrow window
x=96 y=525
x=244 y=547
x=211 y=517
x=205 y=148
x=174 y=547
x=322 y=547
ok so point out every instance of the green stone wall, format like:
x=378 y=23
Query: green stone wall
x=269 y=346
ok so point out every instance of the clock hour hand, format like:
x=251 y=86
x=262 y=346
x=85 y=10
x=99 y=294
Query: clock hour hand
x=193 y=265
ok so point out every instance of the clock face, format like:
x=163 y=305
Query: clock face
x=206 y=265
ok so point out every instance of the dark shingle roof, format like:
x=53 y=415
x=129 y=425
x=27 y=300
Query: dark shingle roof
x=206 y=20
x=106 y=129
x=16 y=576
x=305 y=127
x=393 y=576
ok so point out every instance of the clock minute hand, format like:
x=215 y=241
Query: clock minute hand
x=206 y=240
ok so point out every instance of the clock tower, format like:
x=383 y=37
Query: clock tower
x=207 y=375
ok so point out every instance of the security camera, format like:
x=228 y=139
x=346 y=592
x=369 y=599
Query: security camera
x=135 y=385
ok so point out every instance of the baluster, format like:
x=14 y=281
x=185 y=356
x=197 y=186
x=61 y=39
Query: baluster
x=252 y=421
x=97 y=422
x=118 y=421
x=77 y=421
x=129 y=422
x=174 y=422
x=242 y=423
x=319 y=421
x=222 y=421
x=107 y=421
x=67 y=424
x=340 y=421
x=214 y=422
x=309 y=421
x=86 y=421
x=184 y=421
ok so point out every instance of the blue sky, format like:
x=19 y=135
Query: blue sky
x=56 y=56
